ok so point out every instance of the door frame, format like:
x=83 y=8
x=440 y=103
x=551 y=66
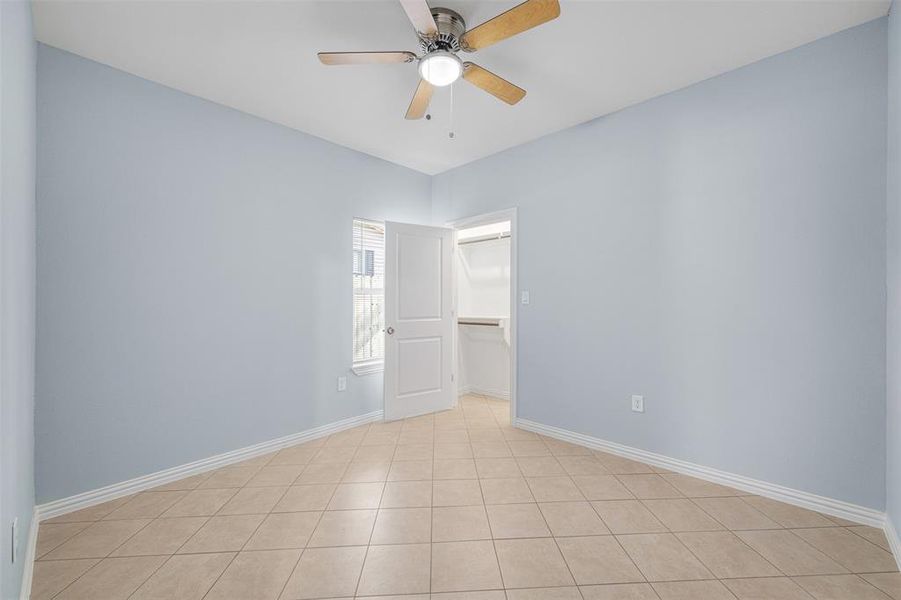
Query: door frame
x=507 y=214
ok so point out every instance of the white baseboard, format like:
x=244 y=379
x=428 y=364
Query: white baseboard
x=499 y=394
x=30 y=556
x=125 y=488
x=829 y=506
x=891 y=534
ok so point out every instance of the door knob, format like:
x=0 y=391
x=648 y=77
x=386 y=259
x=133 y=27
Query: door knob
x=390 y=330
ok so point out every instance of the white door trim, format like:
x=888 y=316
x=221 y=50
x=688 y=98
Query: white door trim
x=508 y=214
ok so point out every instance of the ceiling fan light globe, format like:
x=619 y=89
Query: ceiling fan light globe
x=440 y=68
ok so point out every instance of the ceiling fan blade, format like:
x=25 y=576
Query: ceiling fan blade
x=421 y=98
x=365 y=58
x=522 y=17
x=497 y=86
x=420 y=15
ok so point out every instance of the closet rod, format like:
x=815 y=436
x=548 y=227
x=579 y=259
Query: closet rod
x=484 y=239
x=481 y=323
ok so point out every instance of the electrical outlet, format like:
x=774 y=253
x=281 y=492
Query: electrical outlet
x=524 y=297
x=15 y=539
x=638 y=404
x=342 y=383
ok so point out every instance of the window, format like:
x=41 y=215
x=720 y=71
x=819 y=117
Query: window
x=369 y=296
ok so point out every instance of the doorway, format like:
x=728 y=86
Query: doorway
x=486 y=317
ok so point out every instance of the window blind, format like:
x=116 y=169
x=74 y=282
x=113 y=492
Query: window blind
x=369 y=290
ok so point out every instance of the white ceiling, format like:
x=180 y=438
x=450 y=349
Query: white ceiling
x=599 y=56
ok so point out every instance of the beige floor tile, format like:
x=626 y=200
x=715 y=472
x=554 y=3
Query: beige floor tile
x=356 y=496
x=532 y=563
x=397 y=569
x=257 y=461
x=506 y=491
x=411 y=470
x=493 y=449
x=113 y=578
x=497 y=467
x=223 y=534
x=460 y=523
x=326 y=573
x=839 y=587
x=295 y=455
x=839 y=521
x=445 y=451
x=726 y=555
x=458 y=437
x=849 y=550
x=560 y=593
x=322 y=473
x=682 y=515
x=628 y=516
x=649 y=486
x=255 y=576
x=343 y=528
x=455 y=468
x=306 y=497
x=407 y=494
x=253 y=500
x=201 y=503
x=283 y=475
x=334 y=454
x=283 y=531
x=91 y=513
x=572 y=518
x=554 y=489
x=402 y=526
x=462 y=492
x=620 y=591
x=186 y=483
x=52 y=576
x=787 y=515
x=162 y=536
x=366 y=472
x=597 y=560
x=97 y=540
x=486 y=595
x=528 y=448
x=516 y=521
x=770 y=588
x=698 y=488
x=693 y=590
x=539 y=466
x=349 y=437
x=414 y=452
x=380 y=438
x=383 y=453
x=890 y=583
x=871 y=534
x=229 y=477
x=51 y=535
x=602 y=487
x=511 y=433
x=622 y=466
x=487 y=435
x=561 y=448
x=464 y=566
x=735 y=513
x=146 y=505
x=662 y=557
x=582 y=465
x=789 y=553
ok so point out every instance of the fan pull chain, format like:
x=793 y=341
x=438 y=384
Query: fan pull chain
x=450 y=132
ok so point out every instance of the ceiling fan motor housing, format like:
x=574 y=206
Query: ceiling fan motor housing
x=451 y=27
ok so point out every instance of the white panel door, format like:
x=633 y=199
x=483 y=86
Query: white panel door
x=419 y=320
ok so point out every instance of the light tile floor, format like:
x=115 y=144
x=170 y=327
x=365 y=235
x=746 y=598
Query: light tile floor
x=454 y=506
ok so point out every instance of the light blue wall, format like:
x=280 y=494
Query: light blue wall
x=193 y=286
x=720 y=250
x=17 y=272
x=893 y=272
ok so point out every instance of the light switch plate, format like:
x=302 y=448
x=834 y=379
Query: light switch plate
x=524 y=297
x=342 y=383
x=638 y=404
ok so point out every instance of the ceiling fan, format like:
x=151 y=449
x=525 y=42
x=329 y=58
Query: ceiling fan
x=442 y=34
